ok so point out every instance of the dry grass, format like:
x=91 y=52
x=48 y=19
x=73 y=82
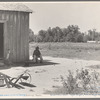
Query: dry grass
x=69 y=50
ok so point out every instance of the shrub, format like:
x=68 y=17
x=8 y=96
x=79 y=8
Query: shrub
x=83 y=81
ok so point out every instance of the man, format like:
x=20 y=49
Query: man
x=36 y=55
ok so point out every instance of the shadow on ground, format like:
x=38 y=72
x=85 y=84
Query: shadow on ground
x=23 y=84
x=27 y=64
x=45 y=62
x=27 y=84
x=4 y=67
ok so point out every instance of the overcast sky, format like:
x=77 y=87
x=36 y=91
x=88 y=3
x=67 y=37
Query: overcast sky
x=84 y=14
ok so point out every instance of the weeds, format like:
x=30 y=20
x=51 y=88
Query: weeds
x=49 y=46
x=68 y=50
x=83 y=81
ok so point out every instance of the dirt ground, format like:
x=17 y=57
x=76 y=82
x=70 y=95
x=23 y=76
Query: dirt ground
x=45 y=77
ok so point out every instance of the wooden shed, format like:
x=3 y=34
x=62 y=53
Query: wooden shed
x=14 y=31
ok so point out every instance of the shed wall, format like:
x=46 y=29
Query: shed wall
x=16 y=30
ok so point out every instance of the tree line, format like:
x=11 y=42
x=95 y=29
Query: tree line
x=70 y=34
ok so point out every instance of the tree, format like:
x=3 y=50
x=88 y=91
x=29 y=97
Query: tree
x=70 y=37
x=73 y=32
x=56 y=34
x=87 y=38
x=80 y=38
x=49 y=31
x=92 y=34
x=31 y=35
x=42 y=34
x=65 y=31
x=46 y=38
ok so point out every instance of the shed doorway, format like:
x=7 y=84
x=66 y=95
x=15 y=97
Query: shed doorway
x=1 y=40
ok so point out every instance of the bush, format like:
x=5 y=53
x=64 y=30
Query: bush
x=84 y=81
x=80 y=38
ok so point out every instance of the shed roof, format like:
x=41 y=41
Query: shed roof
x=15 y=7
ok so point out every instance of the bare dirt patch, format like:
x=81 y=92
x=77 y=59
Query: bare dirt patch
x=45 y=77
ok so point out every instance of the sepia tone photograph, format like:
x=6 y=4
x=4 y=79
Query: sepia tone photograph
x=50 y=49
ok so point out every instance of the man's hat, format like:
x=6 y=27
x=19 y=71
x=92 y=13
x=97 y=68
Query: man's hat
x=37 y=47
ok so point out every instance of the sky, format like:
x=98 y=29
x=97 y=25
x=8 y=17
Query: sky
x=51 y=14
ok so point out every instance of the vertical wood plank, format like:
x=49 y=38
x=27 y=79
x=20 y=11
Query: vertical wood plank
x=27 y=36
x=24 y=35
x=0 y=15
x=6 y=35
x=17 y=21
x=23 y=31
x=25 y=18
x=21 y=37
x=5 y=40
x=14 y=38
x=18 y=36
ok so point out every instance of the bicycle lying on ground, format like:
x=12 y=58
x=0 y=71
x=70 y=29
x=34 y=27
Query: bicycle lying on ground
x=12 y=81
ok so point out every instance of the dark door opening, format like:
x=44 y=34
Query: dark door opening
x=1 y=40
